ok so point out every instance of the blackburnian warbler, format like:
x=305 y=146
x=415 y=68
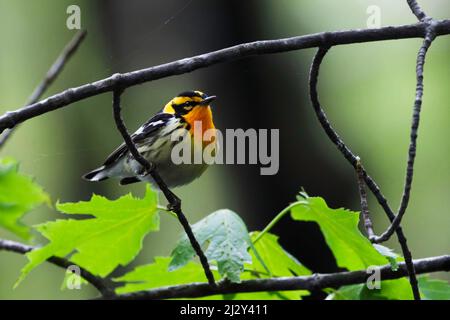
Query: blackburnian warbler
x=153 y=140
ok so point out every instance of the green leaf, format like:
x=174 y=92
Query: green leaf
x=434 y=289
x=18 y=195
x=156 y=275
x=112 y=237
x=389 y=290
x=389 y=254
x=351 y=292
x=399 y=289
x=340 y=228
x=350 y=248
x=225 y=239
x=280 y=262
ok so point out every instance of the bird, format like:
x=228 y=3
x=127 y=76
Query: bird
x=153 y=141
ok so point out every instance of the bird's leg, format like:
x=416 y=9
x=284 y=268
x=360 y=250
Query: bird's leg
x=174 y=202
x=143 y=171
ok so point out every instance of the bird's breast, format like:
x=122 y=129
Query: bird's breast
x=201 y=125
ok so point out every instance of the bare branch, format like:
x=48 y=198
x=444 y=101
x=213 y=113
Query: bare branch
x=417 y=10
x=174 y=201
x=100 y=284
x=11 y=119
x=363 y=197
x=353 y=160
x=313 y=282
x=413 y=138
x=51 y=75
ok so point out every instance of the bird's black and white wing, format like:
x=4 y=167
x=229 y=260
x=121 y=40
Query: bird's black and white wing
x=145 y=132
x=143 y=138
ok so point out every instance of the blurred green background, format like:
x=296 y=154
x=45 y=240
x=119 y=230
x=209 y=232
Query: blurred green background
x=366 y=89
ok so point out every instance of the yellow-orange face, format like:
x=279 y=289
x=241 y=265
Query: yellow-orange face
x=192 y=106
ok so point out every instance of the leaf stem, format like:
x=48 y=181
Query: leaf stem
x=162 y=208
x=276 y=219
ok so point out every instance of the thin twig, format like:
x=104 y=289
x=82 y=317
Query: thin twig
x=313 y=282
x=174 y=201
x=186 y=65
x=50 y=76
x=363 y=197
x=413 y=139
x=275 y=220
x=417 y=10
x=353 y=160
x=99 y=283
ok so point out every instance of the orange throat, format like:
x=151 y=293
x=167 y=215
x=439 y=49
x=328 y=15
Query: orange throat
x=201 y=117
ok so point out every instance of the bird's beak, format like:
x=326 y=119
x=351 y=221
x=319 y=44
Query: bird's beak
x=207 y=100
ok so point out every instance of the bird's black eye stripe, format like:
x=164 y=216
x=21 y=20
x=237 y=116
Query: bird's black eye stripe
x=190 y=104
x=185 y=104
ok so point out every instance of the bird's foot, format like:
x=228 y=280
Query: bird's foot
x=174 y=202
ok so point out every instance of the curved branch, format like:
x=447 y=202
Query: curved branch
x=50 y=76
x=363 y=198
x=413 y=138
x=313 y=282
x=11 y=119
x=353 y=160
x=99 y=283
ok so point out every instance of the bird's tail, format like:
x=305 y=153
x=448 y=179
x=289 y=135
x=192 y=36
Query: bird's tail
x=98 y=174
